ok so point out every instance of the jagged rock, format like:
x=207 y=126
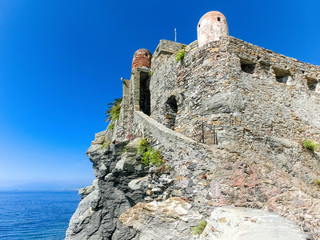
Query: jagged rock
x=87 y=190
x=139 y=183
x=86 y=217
x=129 y=160
x=109 y=196
x=171 y=219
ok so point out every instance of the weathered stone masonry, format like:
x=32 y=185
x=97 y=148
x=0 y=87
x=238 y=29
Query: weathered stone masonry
x=232 y=93
x=229 y=118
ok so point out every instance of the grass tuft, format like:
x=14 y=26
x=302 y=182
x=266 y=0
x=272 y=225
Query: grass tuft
x=180 y=55
x=311 y=145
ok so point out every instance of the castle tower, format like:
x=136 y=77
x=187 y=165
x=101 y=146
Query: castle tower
x=141 y=58
x=211 y=27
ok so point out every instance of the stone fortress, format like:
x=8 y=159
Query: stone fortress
x=229 y=119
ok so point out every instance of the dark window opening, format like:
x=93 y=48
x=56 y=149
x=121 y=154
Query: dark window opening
x=218 y=18
x=199 y=25
x=145 y=98
x=312 y=83
x=247 y=66
x=171 y=109
x=282 y=76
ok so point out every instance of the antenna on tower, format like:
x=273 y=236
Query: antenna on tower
x=175 y=34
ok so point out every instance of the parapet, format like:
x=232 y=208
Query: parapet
x=168 y=47
x=164 y=51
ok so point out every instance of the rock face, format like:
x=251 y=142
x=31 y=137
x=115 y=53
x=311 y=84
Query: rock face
x=228 y=121
x=170 y=219
x=98 y=212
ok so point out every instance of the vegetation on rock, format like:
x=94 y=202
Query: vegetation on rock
x=113 y=112
x=199 y=229
x=180 y=54
x=311 y=145
x=150 y=156
x=142 y=146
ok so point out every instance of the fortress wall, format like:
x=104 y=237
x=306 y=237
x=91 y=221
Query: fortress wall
x=190 y=82
x=223 y=100
x=277 y=114
x=227 y=83
x=276 y=93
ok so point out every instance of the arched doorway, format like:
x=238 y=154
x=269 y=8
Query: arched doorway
x=171 y=109
x=145 y=93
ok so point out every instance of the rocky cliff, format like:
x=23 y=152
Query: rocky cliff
x=228 y=121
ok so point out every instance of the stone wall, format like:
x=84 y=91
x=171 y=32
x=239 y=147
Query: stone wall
x=213 y=176
x=229 y=86
x=228 y=93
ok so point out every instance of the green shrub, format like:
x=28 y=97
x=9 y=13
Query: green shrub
x=180 y=54
x=150 y=156
x=113 y=112
x=153 y=157
x=150 y=73
x=142 y=146
x=317 y=181
x=199 y=229
x=311 y=145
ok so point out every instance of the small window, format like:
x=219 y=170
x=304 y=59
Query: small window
x=312 y=83
x=199 y=25
x=218 y=18
x=247 y=66
x=282 y=76
x=146 y=54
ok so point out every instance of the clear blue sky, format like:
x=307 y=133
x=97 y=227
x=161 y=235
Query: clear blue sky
x=61 y=62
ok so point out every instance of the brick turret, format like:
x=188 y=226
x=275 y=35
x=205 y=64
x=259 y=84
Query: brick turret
x=141 y=58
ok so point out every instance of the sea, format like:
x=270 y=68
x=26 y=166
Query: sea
x=36 y=215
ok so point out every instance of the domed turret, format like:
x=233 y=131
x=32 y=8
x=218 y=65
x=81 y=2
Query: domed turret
x=141 y=58
x=211 y=27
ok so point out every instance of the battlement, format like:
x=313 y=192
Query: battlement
x=256 y=60
x=287 y=70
